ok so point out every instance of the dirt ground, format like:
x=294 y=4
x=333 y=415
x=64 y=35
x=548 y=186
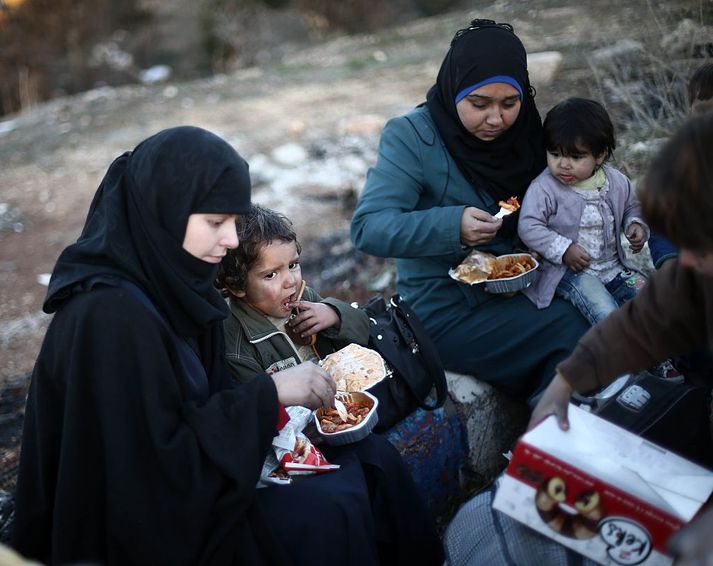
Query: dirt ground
x=53 y=156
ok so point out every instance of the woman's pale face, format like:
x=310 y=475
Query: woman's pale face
x=210 y=236
x=489 y=111
x=274 y=279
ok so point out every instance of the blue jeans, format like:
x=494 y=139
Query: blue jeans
x=594 y=299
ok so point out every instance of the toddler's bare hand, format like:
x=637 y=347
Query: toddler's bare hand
x=477 y=226
x=312 y=318
x=636 y=236
x=576 y=258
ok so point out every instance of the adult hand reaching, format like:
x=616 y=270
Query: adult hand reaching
x=554 y=401
x=306 y=384
x=477 y=226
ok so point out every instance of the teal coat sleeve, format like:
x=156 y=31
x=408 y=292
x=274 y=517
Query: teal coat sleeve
x=398 y=214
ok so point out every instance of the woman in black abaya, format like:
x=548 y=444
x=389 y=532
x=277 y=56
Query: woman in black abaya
x=137 y=448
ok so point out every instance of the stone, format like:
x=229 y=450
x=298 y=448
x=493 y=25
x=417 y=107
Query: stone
x=689 y=39
x=493 y=422
x=543 y=67
x=290 y=155
x=621 y=48
x=155 y=74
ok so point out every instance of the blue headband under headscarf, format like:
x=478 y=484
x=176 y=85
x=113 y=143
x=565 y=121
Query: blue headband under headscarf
x=496 y=79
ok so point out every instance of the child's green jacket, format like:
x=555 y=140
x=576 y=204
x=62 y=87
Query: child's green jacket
x=254 y=345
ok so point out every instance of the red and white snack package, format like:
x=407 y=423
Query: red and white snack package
x=304 y=458
x=294 y=454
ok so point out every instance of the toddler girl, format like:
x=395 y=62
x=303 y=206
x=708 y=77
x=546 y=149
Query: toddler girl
x=574 y=212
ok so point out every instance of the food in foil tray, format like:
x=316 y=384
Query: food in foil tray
x=479 y=266
x=357 y=409
x=362 y=416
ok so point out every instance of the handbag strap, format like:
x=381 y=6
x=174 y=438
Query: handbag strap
x=429 y=354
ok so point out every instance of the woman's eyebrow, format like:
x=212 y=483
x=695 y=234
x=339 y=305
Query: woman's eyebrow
x=483 y=97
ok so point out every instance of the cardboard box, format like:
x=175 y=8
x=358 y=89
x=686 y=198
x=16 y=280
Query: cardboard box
x=601 y=490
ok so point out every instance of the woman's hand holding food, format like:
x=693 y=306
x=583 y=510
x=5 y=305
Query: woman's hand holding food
x=312 y=318
x=636 y=236
x=576 y=258
x=477 y=226
x=306 y=384
x=554 y=401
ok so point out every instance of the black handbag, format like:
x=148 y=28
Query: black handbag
x=413 y=363
x=674 y=415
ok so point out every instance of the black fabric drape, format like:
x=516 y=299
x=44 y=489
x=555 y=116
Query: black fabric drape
x=136 y=224
x=137 y=221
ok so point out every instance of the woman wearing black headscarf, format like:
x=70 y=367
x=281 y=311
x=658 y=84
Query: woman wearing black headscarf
x=137 y=448
x=430 y=200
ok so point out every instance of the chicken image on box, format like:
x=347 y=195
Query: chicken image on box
x=601 y=490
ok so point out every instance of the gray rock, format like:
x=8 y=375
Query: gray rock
x=494 y=422
x=543 y=66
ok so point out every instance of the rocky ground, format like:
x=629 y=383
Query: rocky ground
x=309 y=127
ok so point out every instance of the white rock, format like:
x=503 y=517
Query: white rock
x=465 y=388
x=494 y=421
x=686 y=36
x=110 y=54
x=619 y=49
x=44 y=279
x=543 y=66
x=262 y=170
x=7 y=126
x=155 y=74
x=354 y=164
x=290 y=155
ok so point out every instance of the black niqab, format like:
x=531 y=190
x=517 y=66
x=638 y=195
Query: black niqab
x=137 y=222
x=506 y=165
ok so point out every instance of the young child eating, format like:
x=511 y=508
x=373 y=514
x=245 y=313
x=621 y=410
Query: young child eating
x=273 y=326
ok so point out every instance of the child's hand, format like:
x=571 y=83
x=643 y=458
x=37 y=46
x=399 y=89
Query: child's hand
x=576 y=258
x=312 y=318
x=636 y=236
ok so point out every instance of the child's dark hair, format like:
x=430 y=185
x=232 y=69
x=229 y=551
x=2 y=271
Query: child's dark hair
x=579 y=121
x=677 y=195
x=256 y=229
x=700 y=85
